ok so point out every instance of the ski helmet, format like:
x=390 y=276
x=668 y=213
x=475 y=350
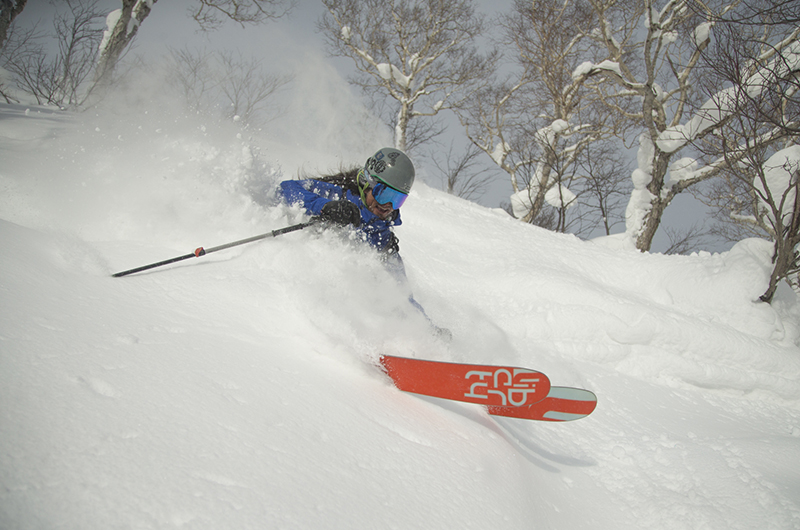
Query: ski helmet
x=391 y=167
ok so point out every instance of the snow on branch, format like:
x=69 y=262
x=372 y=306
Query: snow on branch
x=702 y=33
x=725 y=103
x=501 y=151
x=390 y=72
x=588 y=68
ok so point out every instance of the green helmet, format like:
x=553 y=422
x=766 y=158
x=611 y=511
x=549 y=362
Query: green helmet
x=392 y=167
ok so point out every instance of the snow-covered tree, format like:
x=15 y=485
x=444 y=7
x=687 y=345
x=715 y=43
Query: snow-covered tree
x=211 y=14
x=121 y=27
x=420 y=54
x=56 y=74
x=661 y=70
x=537 y=125
x=657 y=68
x=123 y=24
x=757 y=58
x=9 y=9
x=777 y=187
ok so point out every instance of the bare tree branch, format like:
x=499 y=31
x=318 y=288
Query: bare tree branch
x=57 y=79
x=240 y=87
x=461 y=176
x=758 y=157
x=419 y=53
x=211 y=14
x=540 y=125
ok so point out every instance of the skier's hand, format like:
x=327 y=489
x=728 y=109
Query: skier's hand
x=341 y=212
x=393 y=246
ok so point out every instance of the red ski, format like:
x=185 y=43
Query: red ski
x=561 y=404
x=502 y=386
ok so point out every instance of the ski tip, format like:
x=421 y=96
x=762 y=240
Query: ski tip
x=561 y=404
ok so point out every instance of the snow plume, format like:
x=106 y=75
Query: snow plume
x=143 y=137
x=325 y=124
x=153 y=168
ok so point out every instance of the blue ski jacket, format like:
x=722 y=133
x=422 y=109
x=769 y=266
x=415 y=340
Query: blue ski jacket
x=314 y=194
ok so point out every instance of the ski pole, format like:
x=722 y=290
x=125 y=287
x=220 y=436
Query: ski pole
x=200 y=251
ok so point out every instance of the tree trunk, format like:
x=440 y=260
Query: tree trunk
x=8 y=12
x=785 y=259
x=401 y=129
x=782 y=260
x=652 y=219
x=119 y=37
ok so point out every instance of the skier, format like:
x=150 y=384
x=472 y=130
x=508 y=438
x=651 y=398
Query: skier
x=368 y=199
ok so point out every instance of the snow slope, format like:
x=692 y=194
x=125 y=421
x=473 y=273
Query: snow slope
x=239 y=390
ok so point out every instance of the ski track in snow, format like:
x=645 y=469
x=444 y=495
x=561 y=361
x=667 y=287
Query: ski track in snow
x=239 y=390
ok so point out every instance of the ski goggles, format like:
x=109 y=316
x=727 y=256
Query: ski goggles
x=384 y=194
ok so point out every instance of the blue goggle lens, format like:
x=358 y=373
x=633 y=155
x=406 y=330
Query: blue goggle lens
x=384 y=194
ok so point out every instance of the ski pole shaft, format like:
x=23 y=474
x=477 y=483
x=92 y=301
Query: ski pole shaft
x=200 y=251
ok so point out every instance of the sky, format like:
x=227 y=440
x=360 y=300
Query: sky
x=292 y=44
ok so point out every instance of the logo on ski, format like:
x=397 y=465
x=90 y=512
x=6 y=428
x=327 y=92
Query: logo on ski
x=504 y=390
x=515 y=388
x=474 y=383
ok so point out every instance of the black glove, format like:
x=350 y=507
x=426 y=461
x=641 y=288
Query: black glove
x=341 y=212
x=393 y=246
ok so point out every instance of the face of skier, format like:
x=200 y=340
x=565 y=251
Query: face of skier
x=384 y=211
